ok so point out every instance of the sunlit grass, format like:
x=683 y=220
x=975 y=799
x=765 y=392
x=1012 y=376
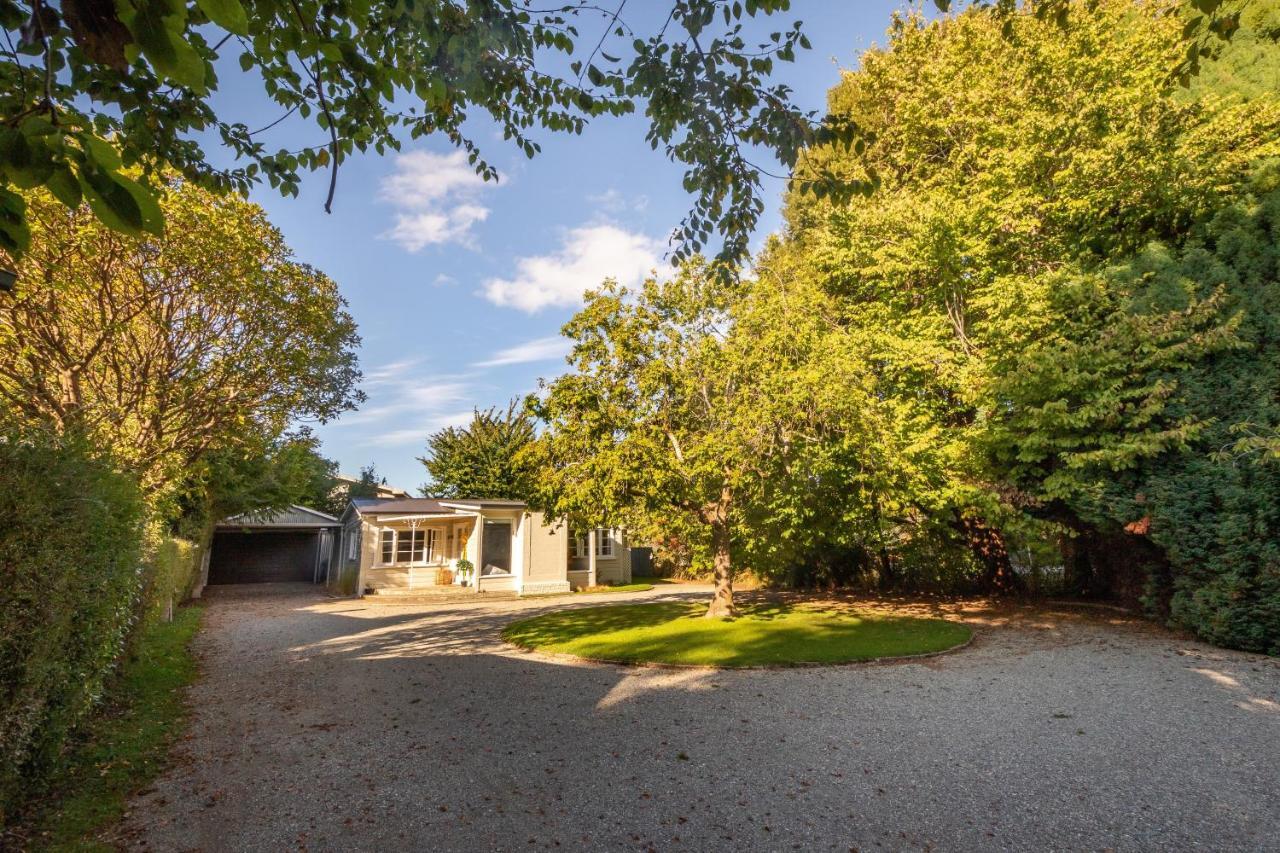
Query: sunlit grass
x=762 y=635
x=621 y=587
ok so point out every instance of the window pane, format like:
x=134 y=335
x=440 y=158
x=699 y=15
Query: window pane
x=604 y=543
x=431 y=545
x=419 y=544
x=404 y=546
x=388 y=537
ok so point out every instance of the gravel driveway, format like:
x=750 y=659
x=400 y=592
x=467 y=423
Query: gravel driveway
x=346 y=725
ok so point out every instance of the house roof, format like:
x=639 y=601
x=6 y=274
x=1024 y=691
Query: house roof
x=376 y=506
x=427 y=506
x=294 y=516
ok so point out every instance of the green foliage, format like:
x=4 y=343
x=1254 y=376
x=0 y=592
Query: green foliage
x=1138 y=429
x=762 y=635
x=171 y=569
x=163 y=350
x=484 y=459
x=1060 y=303
x=95 y=86
x=70 y=583
x=120 y=752
x=267 y=477
x=367 y=485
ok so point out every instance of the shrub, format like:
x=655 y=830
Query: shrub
x=70 y=583
x=171 y=569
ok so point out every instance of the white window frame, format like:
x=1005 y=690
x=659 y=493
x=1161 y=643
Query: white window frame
x=578 y=548
x=420 y=553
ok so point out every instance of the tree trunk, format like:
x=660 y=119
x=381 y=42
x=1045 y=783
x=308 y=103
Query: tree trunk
x=722 y=599
x=716 y=515
x=987 y=544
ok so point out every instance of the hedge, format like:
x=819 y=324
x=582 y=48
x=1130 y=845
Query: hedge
x=70 y=581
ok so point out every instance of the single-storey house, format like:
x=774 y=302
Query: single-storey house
x=413 y=545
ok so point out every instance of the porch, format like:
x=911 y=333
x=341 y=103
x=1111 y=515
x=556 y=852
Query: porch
x=419 y=554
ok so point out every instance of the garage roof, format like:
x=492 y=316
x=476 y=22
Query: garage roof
x=291 y=518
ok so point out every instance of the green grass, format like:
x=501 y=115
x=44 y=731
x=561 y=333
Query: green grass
x=124 y=748
x=762 y=635
x=622 y=587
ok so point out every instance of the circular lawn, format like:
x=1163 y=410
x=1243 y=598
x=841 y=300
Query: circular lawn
x=765 y=634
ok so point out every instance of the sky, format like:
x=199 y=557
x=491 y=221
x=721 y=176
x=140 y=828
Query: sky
x=459 y=287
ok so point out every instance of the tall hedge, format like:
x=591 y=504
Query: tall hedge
x=71 y=538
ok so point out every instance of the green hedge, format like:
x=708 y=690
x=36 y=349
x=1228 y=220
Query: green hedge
x=172 y=569
x=70 y=582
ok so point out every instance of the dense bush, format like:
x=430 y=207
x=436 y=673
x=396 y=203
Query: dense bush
x=70 y=579
x=171 y=569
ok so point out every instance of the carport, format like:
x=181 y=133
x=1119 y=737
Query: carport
x=294 y=544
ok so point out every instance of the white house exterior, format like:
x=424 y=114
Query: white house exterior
x=413 y=545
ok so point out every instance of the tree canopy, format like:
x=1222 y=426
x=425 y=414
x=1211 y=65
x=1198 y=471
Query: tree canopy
x=164 y=349
x=1044 y=340
x=100 y=97
x=484 y=459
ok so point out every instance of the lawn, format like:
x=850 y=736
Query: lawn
x=126 y=745
x=622 y=587
x=766 y=634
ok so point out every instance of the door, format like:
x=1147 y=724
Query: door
x=497 y=548
x=263 y=557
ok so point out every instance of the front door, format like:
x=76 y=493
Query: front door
x=497 y=548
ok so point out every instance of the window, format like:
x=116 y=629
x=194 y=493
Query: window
x=407 y=546
x=353 y=543
x=578 y=546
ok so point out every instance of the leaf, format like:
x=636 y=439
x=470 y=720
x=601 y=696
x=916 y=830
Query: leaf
x=122 y=204
x=159 y=31
x=64 y=186
x=100 y=151
x=15 y=238
x=228 y=14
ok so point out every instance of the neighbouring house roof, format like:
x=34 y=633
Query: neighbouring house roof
x=292 y=517
x=381 y=490
x=427 y=506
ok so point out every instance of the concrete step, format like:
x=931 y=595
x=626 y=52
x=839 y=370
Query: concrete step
x=446 y=596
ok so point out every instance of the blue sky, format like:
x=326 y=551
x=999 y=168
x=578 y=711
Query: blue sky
x=460 y=287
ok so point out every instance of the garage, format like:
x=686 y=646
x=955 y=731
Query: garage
x=290 y=546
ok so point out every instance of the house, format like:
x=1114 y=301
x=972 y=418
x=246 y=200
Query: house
x=344 y=482
x=413 y=545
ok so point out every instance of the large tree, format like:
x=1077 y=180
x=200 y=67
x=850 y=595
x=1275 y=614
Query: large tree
x=691 y=403
x=165 y=349
x=484 y=459
x=1039 y=293
x=89 y=86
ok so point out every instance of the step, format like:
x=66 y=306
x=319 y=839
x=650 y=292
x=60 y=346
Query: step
x=416 y=596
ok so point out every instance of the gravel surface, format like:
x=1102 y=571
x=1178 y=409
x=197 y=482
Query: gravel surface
x=346 y=725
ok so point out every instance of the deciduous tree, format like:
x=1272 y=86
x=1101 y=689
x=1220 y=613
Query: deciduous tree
x=164 y=349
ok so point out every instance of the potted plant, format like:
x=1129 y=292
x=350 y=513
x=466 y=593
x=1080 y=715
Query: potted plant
x=464 y=567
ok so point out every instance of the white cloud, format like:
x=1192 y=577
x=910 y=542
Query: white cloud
x=435 y=196
x=587 y=256
x=539 y=349
x=612 y=201
x=417 y=435
x=406 y=404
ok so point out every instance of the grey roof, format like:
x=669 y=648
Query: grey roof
x=293 y=516
x=425 y=506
